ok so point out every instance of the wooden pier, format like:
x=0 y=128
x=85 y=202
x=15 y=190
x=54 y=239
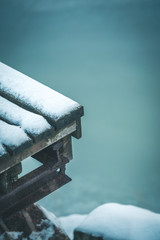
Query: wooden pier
x=39 y=122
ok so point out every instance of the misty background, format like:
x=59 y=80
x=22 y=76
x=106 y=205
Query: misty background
x=104 y=54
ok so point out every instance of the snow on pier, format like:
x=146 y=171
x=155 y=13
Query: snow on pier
x=32 y=116
x=38 y=98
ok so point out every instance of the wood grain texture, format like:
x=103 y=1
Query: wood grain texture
x=51 y=137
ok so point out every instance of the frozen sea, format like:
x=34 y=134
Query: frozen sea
x=105 y=55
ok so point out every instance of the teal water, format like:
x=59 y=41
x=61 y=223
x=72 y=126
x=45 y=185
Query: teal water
x=106 y=56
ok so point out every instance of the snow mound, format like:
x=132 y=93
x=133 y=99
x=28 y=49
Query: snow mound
x=71 y=222
x=116 y=221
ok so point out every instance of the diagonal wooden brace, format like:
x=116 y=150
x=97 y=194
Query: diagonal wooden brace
x=38 y=183
x=31 y=188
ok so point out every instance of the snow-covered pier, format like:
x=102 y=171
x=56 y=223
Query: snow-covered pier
x=34 y=121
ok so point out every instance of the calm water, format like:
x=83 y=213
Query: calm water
x=105 y=55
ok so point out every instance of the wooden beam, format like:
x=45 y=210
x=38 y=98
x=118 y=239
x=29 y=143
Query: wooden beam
x=54 y=136
x=31 y=188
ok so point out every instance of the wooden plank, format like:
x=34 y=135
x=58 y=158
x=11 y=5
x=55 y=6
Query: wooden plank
x=8 y=177
x=53 y=136
x=66 y=150
x=78 y=133
x=4 y=155
x=51 y=154
x=36 y=97
x=31 y=191
x=28 y=220
x=40 y=173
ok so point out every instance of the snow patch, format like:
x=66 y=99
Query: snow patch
x=116 y=221
x=12 y=136
x=30 y=122
x=11 y=235
x=44 y=234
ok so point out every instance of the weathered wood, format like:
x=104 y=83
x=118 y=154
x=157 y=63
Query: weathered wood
x=78 y=133
x=53 y=153
x=17 y=223
x=28 y=220
x=8 y=177
x=67 y=147
x=4 y=155
x=28 y=192
x=35 y=184
x=50 y=155
x=53 y=136
x=3 y=225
